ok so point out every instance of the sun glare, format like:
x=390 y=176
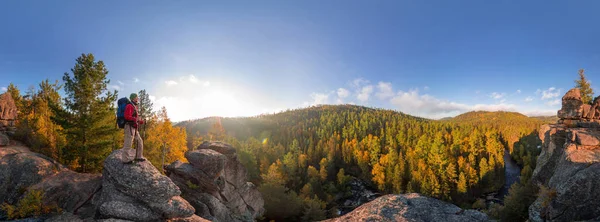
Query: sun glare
x=224 y=104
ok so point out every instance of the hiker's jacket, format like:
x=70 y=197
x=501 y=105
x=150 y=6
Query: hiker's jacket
x=131 y=116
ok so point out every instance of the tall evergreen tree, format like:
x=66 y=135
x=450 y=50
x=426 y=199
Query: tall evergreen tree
x=88 y=115
x=146 y=112
x=584 y=86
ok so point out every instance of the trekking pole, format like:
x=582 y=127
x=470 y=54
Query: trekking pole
x=143 y=115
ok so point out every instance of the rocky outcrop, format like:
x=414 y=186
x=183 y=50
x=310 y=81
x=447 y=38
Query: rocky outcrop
x=410 y=207
x=124 y=192
x=574 y=113
x=569 y=166
x=215 y=183
x=138 y=192
x=8 y=112
x=358 y=195
x=22 y=171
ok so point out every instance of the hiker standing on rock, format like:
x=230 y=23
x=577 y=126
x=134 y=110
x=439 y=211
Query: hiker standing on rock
x=132 y=122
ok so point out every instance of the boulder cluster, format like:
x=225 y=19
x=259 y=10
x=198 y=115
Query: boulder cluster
x=138 y=192
x=215 y=183
x=212 y=186
x=575 y=112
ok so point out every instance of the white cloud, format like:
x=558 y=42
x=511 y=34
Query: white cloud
x=171 y=82
x=359 y=82
x=550 y=93
x=120 y=83
x=343 y=93
x=384 y=90
x=3 y=89
x=114 y=87
x=136 y=80
x=365 y=93
x=553 y=102
x=518 y=91
x=496 y=95
x=540 y=113
x=413 y=103
x=317 y=98
x=193 y=79
x=529 y=99
x=426 y=88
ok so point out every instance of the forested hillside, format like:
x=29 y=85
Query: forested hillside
x=304 y=157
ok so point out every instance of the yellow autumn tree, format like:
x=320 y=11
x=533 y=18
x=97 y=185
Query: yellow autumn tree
x=165 y=143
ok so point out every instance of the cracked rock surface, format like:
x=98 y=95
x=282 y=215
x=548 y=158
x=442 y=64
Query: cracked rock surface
x=569 y=165
x=410 y=207
x=215 y=183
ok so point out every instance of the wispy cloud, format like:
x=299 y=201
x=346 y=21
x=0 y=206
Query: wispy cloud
x=116 y=87
x=414 y=103
x=529 y=99
x=365 y=93
x=496 y=95
x=317 y=98
x=136 y=80
x=120 y=83
x=3 y=89
x=343 y=93
x=356 y=83
x=553 y=102
x=171 y=82
x=518 y=91
x=549 y=93
x=384 y=90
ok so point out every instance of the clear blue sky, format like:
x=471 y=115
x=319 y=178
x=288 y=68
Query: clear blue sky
x=200 y=58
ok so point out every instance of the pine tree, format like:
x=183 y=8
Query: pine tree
x=145 y=111
x=462 y=183
x=88 y=115
x=584 y=86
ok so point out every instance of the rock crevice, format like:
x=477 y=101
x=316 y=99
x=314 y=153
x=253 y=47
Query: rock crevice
x=569 y=165
x=215 y=183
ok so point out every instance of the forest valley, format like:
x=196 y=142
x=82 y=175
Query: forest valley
x=302 y=159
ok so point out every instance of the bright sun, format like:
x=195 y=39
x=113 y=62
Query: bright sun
x=224 y=104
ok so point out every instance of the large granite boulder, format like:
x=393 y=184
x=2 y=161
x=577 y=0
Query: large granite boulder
x=410 y=207
x=572 y=106
x=22 y=171
x=569 y=167
x=138 y=192
x=215 y=183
